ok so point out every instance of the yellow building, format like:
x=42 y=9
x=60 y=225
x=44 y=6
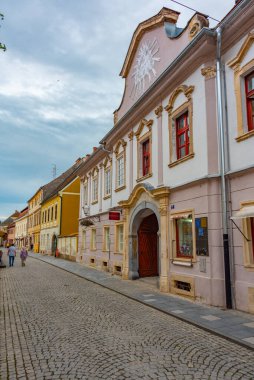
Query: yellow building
x=34 y=220
x=59 y=215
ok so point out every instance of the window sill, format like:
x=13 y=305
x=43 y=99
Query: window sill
x=120 y=188
x=183 y=159
x=118 y=253
x=105 y=250
x=144 y=177
x=245 y=136
x=93 y=249
x=107 y=197
x=249 y=267
x=185 y=263
x=94 y=202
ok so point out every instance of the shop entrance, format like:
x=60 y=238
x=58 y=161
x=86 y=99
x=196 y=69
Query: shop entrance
x=148 y=247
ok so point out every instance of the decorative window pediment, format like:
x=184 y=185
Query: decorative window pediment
x=107 y=162
x=121 y=143
x=186 y=90
x=144 y=124
x=236 y=62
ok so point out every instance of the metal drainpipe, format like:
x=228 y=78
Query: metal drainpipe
x=224 y=198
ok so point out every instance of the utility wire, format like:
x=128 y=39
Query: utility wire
x=185 y=6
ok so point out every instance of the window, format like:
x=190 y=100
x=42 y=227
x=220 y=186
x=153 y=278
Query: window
x=180 y=125
x=52 y=211
x=182 y=135
x=106 y=242
x=48 y=214
x=144 y=151
x=55 y=211
x=95 y=189
x=184 y=237
x=249 y=90
x=120 y=171
x=146 y=157
x=93 y=239
x=107 y=179
x=119 y=238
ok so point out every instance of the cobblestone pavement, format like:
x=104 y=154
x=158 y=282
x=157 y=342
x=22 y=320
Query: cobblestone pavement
x=54 y=325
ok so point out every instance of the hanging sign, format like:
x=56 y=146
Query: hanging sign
x=114 y=215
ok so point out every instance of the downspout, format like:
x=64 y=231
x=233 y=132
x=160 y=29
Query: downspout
x=222 y=149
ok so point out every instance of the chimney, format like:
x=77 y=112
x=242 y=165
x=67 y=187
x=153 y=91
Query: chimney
x=94 y=148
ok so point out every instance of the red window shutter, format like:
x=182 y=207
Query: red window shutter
x=182 y=135
x=249 y=90
x=146 y=157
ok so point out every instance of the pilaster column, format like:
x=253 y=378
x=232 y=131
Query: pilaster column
x=100 y=187
x=125 y=271
x=164 y=248
x=158 y=113
x=130 y=135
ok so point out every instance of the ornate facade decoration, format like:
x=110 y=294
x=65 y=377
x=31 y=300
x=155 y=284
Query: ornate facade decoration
x=197 y=23
x=158 y=111
x=209 y=72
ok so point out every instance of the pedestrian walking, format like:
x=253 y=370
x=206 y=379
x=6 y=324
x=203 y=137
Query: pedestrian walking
x=1 y=255
x=23 y=256
x=12 y=254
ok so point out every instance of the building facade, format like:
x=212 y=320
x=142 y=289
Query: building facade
x=34 y=220
x=21 y=233
x=151 y=195
x=59 y=215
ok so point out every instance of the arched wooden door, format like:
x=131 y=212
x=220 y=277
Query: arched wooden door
x=147 y=247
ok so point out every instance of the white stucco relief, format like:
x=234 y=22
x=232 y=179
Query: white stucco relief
x=144 y=66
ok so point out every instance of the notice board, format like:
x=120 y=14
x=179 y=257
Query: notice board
x=201 y=228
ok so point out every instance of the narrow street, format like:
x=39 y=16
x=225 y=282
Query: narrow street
x=55 y=325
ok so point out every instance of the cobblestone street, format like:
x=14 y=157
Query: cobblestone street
x=55 y=325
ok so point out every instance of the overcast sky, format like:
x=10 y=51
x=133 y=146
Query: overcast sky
x=60 y=82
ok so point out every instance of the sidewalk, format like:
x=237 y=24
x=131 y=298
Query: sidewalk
x=230 y=324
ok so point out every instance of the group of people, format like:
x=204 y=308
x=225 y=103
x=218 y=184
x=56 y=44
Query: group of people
x=12 y=252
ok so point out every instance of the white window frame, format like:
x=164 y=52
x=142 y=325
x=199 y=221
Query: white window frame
x=119 y=238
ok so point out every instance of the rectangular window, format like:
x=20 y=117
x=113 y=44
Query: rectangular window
x=106 y=244
x=182 y=135
x=55 y=212
x=184 y=237
x=249 y=89
x=48 y=214
x=119 y=238
x=93 y=239
x=95 y=189
x=107 y=179
x=120 y=171
x=146 y=157
x=52 y=211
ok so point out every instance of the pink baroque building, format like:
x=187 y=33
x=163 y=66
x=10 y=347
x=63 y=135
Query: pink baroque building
x=169 y=193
